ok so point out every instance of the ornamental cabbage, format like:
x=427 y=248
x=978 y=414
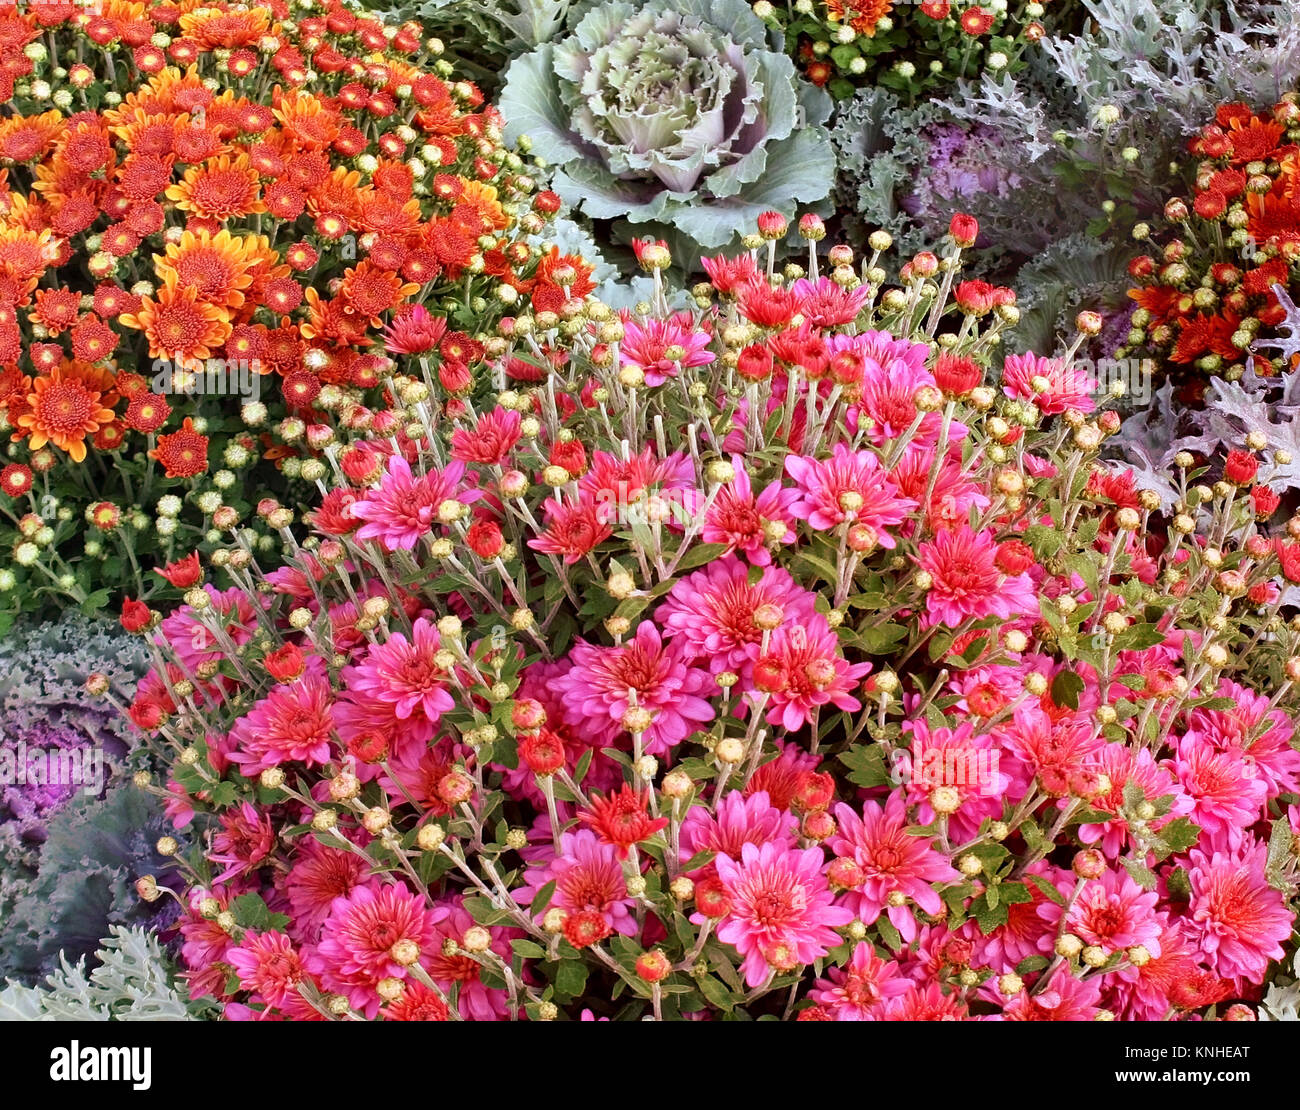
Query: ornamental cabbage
x=674 y=112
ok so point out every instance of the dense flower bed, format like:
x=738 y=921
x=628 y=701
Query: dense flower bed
x=1211 y=299
x=572 y=588
x=209 y=214
x=758 y=658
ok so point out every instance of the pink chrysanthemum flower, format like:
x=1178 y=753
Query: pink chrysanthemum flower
x=588 y=876
x=573 y=528
x=616 y=481
x=1144 y=993
x=1047 y=382
x=850 y=485
x=1113 y=912
x=1226 y=794
x=403 y=508
x=243 y=841
x=1235 y=917
x=803 y=669
x=403 y=676
x=952 y=496
x=1055 y=749
x=966 y=582
x=779 y=778
x=712 y=611
x=738 y=820
x=418 y=1003
x=268 y=965
x=893 y=370
x=192 y=640
x=1268 y=749
x=747 y=523
x=892 y=862
x=663 y=348
x=319 y=875
x=363 y=937
x=413 y=330
x=965 y=761
x=824 y=304
x=729 y=274
x=474 y=1001
x=1121 y=765
x=415 y=772
x=291 y=724
x=782 y=913
x=859 y=990
x=925 y=1003
x=605 y=682
x=1064 y=999
x=490 y=440
x=1029 y=931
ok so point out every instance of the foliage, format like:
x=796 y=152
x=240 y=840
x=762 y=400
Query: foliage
x=674 y=114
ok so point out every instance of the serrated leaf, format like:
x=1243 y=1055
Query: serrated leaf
x=571 y=977
x=1141 y=873
x=866 y=764
x=1066 y=688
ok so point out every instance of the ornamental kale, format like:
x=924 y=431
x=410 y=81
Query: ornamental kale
x=673 y=113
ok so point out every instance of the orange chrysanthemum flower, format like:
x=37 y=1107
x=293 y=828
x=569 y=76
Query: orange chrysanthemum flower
x=212 y=28
x=862 y=15
x=483 y=199
x=337 y=195
x=221 y=189
x=57 y=309
x=178 y=324
x=217 y=266
x=385 y=215
x=312 y=124
x=183 y=453
x=369 y=292
x=24 y=257
x=26 y=138
x=64 y=407
x=328 y=319
x=165 y=93
x=144 y=133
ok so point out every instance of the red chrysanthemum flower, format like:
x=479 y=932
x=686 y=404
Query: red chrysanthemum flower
x=183 y=453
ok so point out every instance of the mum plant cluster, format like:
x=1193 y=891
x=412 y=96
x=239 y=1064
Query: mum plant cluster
x=590 y=569
x=208 y=214
x=791 y=655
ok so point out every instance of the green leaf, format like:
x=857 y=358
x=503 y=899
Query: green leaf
x=881 y=639
x=1141 y=873
x=571 y=977
x=866 y=764
x=890 y=935
x=715 y=992
x=1048 y=889
x=988 y=917
x=699 y=554
x=252 y=913
x=1280 y=843
x=530 y=950
x=95 y=602
x=1177 y=836
x=532 y=106
x=542 y=899
x=1066 y=688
